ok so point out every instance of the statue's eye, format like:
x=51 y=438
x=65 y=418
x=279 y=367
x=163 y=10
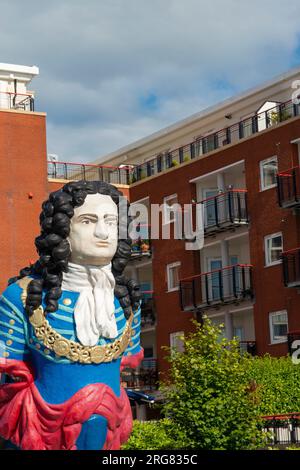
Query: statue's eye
x=86 y=222
x=110 y=220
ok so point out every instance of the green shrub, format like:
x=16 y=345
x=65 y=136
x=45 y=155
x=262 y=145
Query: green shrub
x=156 y=435
x=209 y=396
x=277 y=380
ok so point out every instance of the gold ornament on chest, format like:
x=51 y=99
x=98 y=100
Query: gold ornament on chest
x=72 y=350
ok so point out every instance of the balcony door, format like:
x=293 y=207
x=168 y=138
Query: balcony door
x=214 y=286
x=209 y=207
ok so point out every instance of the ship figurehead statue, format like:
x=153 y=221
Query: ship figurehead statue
x=69 y=323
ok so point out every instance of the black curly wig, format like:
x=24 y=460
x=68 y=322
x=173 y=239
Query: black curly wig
x=54 y=249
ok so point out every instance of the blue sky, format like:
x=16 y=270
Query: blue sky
x=114 y=71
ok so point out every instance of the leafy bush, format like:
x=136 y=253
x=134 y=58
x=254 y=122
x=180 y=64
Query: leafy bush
x=215 y=396
x=156 y=435
x=209 y=396
x=277 y=382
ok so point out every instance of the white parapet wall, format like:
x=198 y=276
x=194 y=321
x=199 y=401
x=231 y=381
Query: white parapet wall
x=14 y=81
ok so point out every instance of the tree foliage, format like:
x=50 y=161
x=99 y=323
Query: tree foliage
x=278 y=384
x=209 y=400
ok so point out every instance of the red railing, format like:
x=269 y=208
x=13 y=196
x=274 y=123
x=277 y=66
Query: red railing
x=215 y=287
x=225 y=209
x=12 y=100
x=288 y=187
x=291 y=267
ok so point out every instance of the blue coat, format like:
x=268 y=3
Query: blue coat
x=57 y=378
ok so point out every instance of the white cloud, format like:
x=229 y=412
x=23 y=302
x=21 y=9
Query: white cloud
x=100 y=61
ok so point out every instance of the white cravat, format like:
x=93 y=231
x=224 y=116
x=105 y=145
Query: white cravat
x=95 y=310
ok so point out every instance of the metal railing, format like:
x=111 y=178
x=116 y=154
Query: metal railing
x=148 y=317
x=284 y=429
x=288 y=187
x=79 y=171
x=11 y=100
x=249 y=347
x=291 y=267
x=226 y=209
x=210 y=289
x=219 y=139
x=143 y=378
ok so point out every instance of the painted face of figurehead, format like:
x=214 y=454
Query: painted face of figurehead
x=93 y=234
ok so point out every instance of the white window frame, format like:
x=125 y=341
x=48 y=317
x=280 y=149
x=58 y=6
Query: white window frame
x=173 y=339
x=167 y=219
x=271 y=315
x=169 y=267
x=261 y=170
x=267 y=257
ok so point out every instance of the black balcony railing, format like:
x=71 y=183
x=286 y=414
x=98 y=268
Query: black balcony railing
x=225 y=210
x=288 y=187
x=148 y=317
x=283 y=429
x=221 y=138
x=11 y=100
x=291 y=267
x=291 y=337
x=226 y=285
x=249 y=347
x=78 y=171
x=145 y=377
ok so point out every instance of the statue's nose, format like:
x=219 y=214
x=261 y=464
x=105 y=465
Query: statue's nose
x=101 y=231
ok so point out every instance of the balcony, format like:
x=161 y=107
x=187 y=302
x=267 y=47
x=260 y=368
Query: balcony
x=288 y=187
x=224 y=211
x=213 y=289
x=248 y=347
x=78 y=171
x=140 y=247
x=143 y=378
x=291 y=267
x=148 y=317
x=10 y=100
x=205 y=145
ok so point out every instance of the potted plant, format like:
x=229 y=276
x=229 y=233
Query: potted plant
x=145 y=246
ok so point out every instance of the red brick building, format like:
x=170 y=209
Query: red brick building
x=228 y=159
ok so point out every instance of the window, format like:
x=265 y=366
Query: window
x=148 y=352
x=173 y=276
x=273 y=249
x=278 y=326
x=176 y=341
x=268 y=172
x=169 y=211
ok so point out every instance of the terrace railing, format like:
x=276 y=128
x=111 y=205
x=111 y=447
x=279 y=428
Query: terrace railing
x=291 y=267
x=143 y=378
x=288 y=187
x=284 y=429
x=79 y=171
x=10 y=100
x=221 y=138
x=249 y=347
x=148 y=317
x=225 y=210
x=226 y=285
